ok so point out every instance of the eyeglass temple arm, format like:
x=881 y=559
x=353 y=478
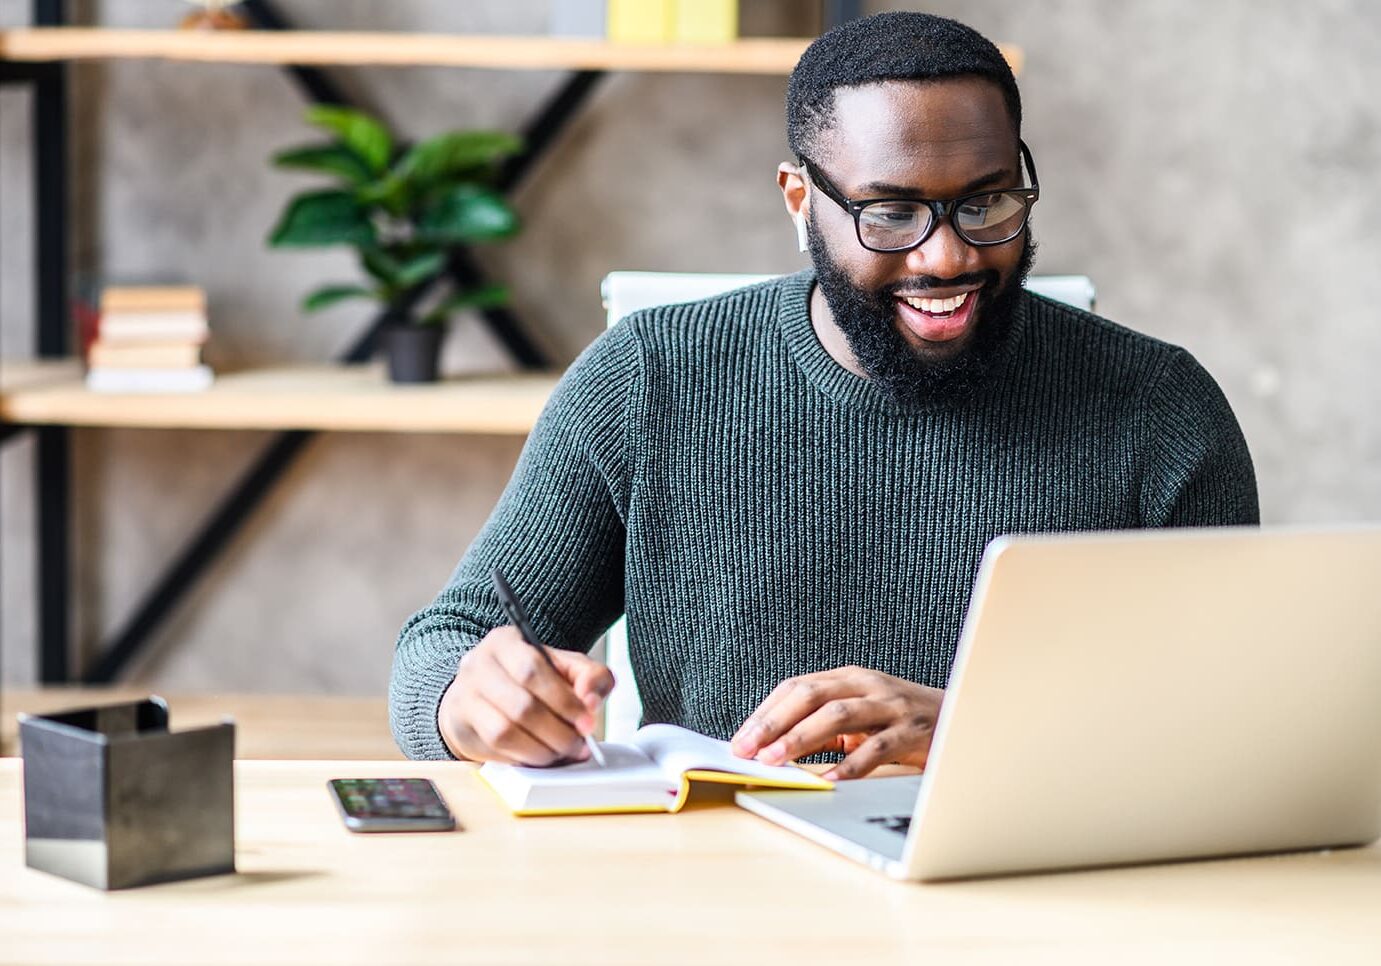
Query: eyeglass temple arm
x=1030 y=164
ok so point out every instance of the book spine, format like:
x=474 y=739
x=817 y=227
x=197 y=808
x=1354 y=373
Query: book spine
x=152 y=326
x=153 y=299
x=577 y=18
x=706 y=21
x=143 y=355
x=149 y=380
x=641 y=21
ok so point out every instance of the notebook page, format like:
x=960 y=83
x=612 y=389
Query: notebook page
x=678 y=750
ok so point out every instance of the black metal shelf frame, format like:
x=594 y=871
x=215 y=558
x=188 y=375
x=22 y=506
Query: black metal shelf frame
x=53 y=460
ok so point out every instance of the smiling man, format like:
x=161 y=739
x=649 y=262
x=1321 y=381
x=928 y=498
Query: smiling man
x=788 y=488
x=911 y=312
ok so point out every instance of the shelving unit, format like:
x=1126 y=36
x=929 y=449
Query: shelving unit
x=48 y=397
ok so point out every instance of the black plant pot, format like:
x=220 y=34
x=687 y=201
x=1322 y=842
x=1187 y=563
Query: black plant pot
x=413 y=352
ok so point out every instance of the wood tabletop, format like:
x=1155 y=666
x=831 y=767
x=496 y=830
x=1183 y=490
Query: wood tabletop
x=266 y=725
x=325 y=397
x=711 y=884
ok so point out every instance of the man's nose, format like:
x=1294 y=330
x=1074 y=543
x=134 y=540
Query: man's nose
x=944 y=254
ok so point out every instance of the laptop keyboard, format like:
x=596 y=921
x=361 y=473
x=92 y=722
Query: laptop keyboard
x=900 y=824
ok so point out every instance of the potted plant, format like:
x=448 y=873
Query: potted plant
x=401 y=208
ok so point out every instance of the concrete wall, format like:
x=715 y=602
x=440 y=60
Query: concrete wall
x=1214 y=168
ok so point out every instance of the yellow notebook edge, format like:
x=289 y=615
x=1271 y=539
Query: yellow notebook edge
x=602 y=810
x=809 y=781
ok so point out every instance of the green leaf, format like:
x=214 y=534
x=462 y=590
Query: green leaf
x=318 y=218
x=459 y=152
x=331 y=294
x=327 y=158
x=358 y=131
x=467 y=213
x=397 y=271
x=379 y=263
x=389 y=191
x=486 y=297
x=420 y=268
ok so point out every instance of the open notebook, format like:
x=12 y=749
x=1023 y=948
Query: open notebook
x=653 y=772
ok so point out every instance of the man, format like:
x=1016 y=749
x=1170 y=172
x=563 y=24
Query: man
x=788 y=488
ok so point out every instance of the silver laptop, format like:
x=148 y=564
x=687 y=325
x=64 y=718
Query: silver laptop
x=1136 y=697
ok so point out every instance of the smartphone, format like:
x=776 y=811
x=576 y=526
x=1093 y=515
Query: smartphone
x=391 y=805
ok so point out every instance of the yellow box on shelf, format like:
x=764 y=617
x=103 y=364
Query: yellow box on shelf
x=706 y=21
x=641 y=21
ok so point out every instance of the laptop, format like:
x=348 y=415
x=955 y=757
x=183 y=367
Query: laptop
x=1133 y=697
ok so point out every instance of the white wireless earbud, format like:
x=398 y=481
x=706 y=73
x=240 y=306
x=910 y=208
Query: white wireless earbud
x=802 y=237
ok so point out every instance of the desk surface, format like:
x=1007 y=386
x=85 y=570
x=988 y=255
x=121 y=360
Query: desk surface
x=710 y=884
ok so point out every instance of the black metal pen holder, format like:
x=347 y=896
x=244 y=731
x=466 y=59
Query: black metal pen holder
x=112 y=799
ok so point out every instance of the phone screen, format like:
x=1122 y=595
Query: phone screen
x=391 y=805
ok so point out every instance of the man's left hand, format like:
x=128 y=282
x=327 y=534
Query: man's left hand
x=872 y=717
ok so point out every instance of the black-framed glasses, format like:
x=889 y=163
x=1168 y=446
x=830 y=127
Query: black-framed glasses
x=899 y=224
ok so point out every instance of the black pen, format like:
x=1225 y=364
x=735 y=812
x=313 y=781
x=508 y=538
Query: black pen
x=518 y=617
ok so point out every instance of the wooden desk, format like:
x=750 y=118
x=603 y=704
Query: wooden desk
x=266 y=725
x=710 y=884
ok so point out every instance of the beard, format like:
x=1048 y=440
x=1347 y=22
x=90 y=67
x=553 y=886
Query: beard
x=868 y=321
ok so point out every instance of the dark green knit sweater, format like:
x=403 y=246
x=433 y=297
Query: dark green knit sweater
x=761 y=512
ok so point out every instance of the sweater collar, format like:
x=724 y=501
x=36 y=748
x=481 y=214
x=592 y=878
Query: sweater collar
x=838 y=383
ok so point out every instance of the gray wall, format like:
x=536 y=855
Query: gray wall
x=1213 y=167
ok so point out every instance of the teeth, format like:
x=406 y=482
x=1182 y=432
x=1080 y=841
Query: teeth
x=938 y=306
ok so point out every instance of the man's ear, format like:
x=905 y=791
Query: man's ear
x=792 y=182
x=791 y=179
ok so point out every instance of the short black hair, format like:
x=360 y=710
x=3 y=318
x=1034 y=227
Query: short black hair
x=887 y=46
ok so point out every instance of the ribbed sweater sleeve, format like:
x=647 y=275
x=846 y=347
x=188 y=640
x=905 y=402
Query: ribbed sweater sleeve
x=557 y=533
x=1201 y=474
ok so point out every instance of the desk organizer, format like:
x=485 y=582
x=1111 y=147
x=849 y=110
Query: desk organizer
x=112 y=799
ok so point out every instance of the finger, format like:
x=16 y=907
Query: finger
x=525 y=665
x=504 y=740
x=525 y=709
x=821 y=730
x=789 y=703
x=910 y=741
x=591 y=680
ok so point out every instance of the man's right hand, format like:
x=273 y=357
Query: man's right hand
x=506 y=704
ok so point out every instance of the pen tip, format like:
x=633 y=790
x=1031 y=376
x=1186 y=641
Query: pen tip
x=595 y=752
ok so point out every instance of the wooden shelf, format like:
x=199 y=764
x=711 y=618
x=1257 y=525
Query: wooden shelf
x=338 y=398
x=753 y=55
x=756 y=56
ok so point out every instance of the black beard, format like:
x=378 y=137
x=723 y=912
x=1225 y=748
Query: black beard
x=868 y=321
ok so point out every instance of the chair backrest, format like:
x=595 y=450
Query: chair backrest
x=626 y=292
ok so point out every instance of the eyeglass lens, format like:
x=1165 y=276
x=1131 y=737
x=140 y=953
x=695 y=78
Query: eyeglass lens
x=984 y=219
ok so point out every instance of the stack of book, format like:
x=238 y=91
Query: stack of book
x=149 y=339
